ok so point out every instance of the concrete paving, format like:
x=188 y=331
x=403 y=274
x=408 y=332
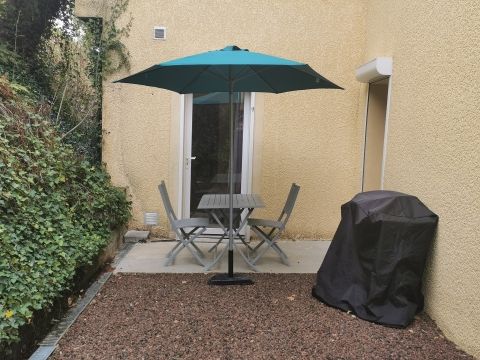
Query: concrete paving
x=305 y=256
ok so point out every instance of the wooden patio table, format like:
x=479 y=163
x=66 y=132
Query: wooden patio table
x=216 y=204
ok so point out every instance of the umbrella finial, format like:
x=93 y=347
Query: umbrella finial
x=232 y=48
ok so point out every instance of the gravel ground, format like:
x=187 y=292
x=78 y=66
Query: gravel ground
x=179 y=316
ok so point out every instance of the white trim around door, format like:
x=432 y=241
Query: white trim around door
x=185 y=150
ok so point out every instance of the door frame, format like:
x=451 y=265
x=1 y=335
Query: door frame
x=185 y=147
x=385 y=135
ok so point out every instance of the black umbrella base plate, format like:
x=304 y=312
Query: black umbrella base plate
x=225 y=279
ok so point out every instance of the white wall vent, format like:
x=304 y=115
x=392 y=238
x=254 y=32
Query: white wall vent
x=159 y=32
x=150 y=218
x=374 y=70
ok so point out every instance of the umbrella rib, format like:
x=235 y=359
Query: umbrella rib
x=206 y=69
x=244 y=70
x=249 y=74
x=146 y=71
x=217 y=75
x=319 y=76
x=194 y=79
x=263 y=79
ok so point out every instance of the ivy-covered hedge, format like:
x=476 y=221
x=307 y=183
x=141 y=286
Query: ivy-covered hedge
x=56 y=211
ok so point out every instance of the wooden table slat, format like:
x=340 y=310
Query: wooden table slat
x=240 y=201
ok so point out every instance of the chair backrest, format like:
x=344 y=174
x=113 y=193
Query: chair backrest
x=166 y=202
x=289 y=204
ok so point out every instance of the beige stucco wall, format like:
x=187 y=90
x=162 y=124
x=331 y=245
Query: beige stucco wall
x=310 y=137
x=314 y=138
x=433 y=139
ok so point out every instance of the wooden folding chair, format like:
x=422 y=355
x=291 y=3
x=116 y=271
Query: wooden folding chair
x=186 y=230
x=269 y=231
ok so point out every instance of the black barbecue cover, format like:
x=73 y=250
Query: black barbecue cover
x=375 y=263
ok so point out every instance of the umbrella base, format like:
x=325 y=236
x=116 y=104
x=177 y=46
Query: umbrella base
x=225 y=279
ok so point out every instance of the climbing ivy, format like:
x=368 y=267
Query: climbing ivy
x=57 y=205
x=76 y=56
x=56 y=210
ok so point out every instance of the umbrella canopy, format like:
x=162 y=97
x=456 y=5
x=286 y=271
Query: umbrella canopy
x=231 y=69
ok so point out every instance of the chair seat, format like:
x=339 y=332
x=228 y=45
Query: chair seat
x=265 y=223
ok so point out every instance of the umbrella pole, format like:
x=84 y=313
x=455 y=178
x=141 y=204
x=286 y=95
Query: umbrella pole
x=230 y=278
x=230 y=186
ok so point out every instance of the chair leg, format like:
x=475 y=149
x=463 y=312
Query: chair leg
x=170 y=259
x=271 y=243
x=214 y=247
x=189 y=234
x=215 y=260
x=173 y=249
x=241 y=226
x=185 y=242
x=281 y=253
x=198 y=255
x=263 y=241
x=200 y=252
x=242 y=239
x=262 y=236
x=246 y=259
x=258 y=245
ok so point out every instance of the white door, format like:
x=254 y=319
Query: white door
x=375 y=133
x=207 y=145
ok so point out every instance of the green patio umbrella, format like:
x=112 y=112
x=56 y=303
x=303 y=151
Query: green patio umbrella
x=230 y=70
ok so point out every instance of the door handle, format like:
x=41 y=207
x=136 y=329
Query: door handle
x=188 y=160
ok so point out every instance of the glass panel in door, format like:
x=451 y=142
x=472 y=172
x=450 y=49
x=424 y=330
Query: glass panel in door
x=211 y=146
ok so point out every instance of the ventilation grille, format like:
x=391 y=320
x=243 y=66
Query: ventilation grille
x=159 y=33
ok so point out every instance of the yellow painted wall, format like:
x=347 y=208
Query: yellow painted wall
x=310 y=137
x=433 y=148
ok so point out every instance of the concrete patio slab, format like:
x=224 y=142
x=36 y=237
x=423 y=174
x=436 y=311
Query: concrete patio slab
x=305 y=257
